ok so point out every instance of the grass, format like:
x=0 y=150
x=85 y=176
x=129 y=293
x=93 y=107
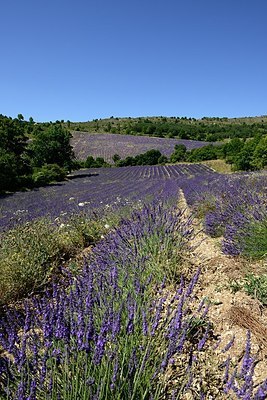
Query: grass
x=254 y=285
x=255 y=241
x=33 y=254
x=219 y=166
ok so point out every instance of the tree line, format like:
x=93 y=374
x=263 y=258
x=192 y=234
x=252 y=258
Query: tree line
x=243 y=155
x=206 y=129
x=35 y=154
x=32 y=154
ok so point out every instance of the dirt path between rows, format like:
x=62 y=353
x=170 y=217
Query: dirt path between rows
x=232 y=314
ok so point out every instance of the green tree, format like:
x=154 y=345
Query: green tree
x=14 y=160
x=116 y=158
x=244 y=159
x=151 y=157
x=49 y=173
x=12 y=135
x=259 y=160
x=163 y=160
x=52 y=146
x=20 y=117
x=203 y=153
x=232 y=149
x=178 y=154
x=9 y=174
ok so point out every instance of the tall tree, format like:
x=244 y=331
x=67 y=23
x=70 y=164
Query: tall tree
x=52 y=146
x=13 y=153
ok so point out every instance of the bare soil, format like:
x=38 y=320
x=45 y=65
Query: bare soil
x=232 y=314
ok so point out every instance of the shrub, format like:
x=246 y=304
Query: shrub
x=32 y=253
x=49 y=173
x=247 y=237
x=99 y=162
x=28 y=256
x=254 y=285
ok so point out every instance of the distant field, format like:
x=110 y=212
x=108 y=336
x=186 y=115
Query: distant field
x=106 y=145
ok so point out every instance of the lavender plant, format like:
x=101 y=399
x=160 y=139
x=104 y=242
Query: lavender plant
x=233 y=207
x=106 y=145
x=116 y=330
x=100 y=189
x=100 y=336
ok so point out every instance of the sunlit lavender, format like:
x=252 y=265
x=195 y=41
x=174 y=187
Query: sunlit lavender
x=101 y=188
x=233 y=206
x=106 y=145
x=104 y=335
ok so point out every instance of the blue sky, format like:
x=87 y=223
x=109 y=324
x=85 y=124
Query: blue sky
x=87 y=59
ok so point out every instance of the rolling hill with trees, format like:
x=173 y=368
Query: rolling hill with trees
x=34 y=154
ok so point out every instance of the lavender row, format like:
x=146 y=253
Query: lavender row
x=96 y=188
x=234 y=206
x=105 y=335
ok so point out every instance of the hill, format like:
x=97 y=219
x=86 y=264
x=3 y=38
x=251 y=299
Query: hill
x=106 y=145
x=205 y=129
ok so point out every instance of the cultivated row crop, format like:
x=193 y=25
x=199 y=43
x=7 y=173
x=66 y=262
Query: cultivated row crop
x=117 y=329
x=92 y=189
x=233 y=206
x=106 y=145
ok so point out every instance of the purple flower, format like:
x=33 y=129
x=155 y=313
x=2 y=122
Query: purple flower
x=229 y=344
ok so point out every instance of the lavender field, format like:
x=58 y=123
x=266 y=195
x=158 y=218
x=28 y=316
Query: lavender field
x=233 y=207
x=132 y=320
x=97 y=188
x=106 y=145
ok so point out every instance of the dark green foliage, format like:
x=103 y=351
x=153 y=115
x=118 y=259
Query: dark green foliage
x=245 y=155
x=151 y=157
x=209 y=152
x=260 y=154
x=8 y=170
x=163 y=159
x=179 y=153
x=116 y=158
x=52 y=146
x=14 y=162
x=25 y=146
x=128 y=161
x=49 y=173
x=89 y=162
x=231 y=149
x=244 y=159
x=12 y=135
x=99 y=162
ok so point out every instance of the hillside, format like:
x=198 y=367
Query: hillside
x=106 y=145
x=207 y=129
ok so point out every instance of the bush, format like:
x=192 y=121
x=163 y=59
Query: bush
x=151 y=157
x=28 y=255
x=99 y=162
x=52 y=146
x=49 y=173
x=32 y=253
x=179 y=153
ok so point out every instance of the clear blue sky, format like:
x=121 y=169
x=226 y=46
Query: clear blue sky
x=86 y=59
